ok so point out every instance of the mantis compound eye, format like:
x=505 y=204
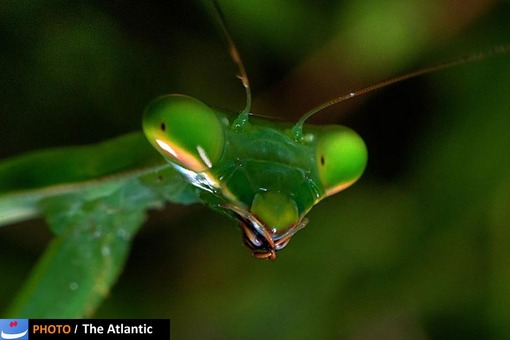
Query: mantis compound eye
x=185 y=131
x=340 y=156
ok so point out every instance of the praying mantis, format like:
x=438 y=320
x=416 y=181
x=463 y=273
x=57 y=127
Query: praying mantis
x=270 y=213
x=268 y=177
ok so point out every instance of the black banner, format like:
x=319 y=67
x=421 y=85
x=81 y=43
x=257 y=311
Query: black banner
x=85 y=328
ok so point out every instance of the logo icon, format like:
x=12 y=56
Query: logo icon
x=14 y=329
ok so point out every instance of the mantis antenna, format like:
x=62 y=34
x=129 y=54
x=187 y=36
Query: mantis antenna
x=236 y=58
x=498 y=50
x=297 y=130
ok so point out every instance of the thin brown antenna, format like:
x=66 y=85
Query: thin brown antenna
x=234 y=54
x=498 y=50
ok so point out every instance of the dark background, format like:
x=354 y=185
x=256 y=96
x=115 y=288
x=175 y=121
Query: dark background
x=417 y=249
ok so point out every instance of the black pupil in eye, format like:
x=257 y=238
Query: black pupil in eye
x=163 y=127
x=322 y=159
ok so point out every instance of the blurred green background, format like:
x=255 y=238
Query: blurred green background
x=418 y=249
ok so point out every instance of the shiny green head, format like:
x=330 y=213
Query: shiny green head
x=185 y=131
x=261 y=174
